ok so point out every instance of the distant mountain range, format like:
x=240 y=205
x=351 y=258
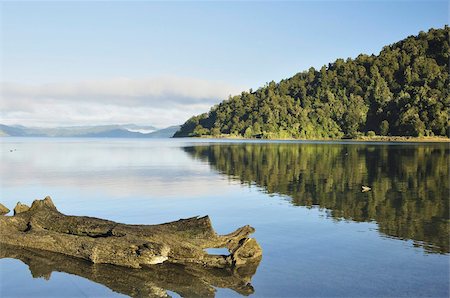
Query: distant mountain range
x=101 y=131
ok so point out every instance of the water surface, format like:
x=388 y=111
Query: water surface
x=321 y=236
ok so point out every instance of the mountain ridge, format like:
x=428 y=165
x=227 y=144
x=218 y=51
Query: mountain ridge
x=95 y=131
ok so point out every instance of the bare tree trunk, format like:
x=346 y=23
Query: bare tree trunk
x=43 y=227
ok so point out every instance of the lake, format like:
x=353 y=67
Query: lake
x=320 y=234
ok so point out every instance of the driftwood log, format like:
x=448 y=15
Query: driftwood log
x=43 y=227
x=3 y=210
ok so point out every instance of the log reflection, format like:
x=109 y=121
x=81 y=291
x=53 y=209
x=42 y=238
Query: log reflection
x=151 y=281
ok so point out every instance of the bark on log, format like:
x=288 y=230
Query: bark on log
x=43 y=227
x=3 y=210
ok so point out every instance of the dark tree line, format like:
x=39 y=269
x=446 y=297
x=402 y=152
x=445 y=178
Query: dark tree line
x=403 y=91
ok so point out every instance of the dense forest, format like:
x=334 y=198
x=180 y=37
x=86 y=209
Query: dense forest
x=410 y=185
x=403 y=91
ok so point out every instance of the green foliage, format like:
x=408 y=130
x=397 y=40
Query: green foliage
x=371 y=133
x=215 y=131
x=200 y=131
x=384 y=128
x=248 y=132
x=402 y=91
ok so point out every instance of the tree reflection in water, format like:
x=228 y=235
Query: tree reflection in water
x=410 y=183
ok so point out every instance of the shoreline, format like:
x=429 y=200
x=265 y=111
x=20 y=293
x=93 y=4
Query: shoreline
x=380 y=139
x=393 y=139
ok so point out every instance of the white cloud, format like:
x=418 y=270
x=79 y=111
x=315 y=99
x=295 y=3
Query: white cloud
x=159 y=101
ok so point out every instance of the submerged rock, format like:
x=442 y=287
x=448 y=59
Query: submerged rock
x=43 y=227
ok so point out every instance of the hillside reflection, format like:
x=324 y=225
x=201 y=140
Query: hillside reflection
x=152 y=281
x=410 y=184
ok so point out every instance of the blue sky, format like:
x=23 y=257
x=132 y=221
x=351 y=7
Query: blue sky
x=188 y=55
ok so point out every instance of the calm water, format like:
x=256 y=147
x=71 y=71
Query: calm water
x=321 y=236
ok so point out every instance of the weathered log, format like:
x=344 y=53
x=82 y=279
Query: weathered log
x=20 y=208
x=191 y=280
x=43 y=227
x=3 y=210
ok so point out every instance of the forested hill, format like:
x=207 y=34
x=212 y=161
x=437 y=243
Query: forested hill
x=403 y=92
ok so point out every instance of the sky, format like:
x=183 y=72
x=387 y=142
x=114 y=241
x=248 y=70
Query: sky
x=65 y=63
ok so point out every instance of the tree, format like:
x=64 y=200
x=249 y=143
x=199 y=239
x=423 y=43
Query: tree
x=384 y=128
x=200 y=131
x=248 y=132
